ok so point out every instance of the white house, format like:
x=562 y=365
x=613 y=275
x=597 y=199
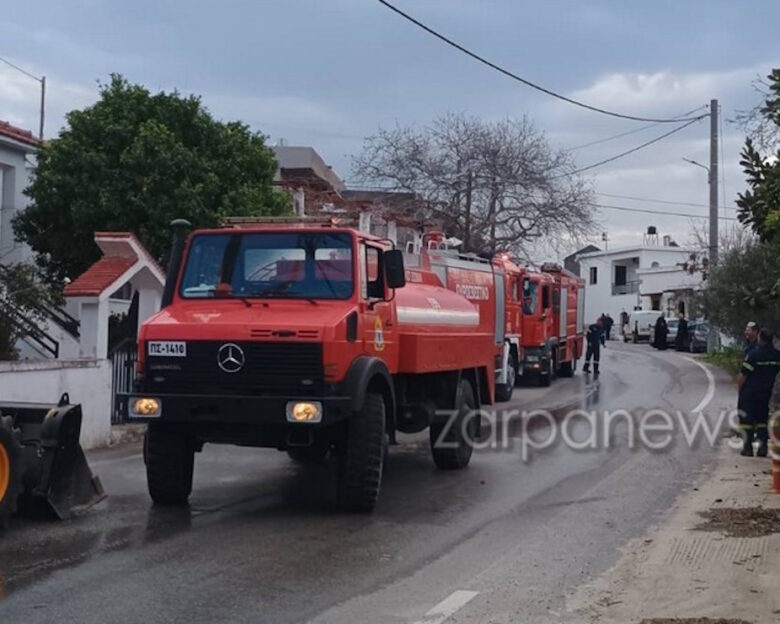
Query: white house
x=17 y=164
x=650 y=276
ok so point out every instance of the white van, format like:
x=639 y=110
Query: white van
x=640 y=325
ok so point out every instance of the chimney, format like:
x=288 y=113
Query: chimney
x=667 y=240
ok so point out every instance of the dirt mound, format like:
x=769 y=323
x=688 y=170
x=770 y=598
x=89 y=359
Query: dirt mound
x=741 y=522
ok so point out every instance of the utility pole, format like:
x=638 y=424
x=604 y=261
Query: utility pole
x=711 y=346
x=467 y=226
x=713 y=179
x=43 y=106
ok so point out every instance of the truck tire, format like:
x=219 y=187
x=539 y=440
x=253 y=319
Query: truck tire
x=567 y=369
x=169 y=459
x=362 y=457
x=456 y=453
x=546 y=379
x=10 y=469
x=309 y=455
x=504 y=391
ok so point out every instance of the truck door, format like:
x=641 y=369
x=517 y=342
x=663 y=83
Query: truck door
x=500 y=307
x=547 y=314
x=379 y=323
x=564 y=314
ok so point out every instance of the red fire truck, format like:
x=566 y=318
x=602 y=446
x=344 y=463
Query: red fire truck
x=553 y=305
x=314 y=338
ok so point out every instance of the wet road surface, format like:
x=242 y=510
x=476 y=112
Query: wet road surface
x=502 y=541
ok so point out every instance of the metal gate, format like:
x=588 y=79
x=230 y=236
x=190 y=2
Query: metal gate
x=123 y=358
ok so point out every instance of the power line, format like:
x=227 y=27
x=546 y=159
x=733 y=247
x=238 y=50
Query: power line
x=17 y=68
x=520 y=79
x=632 y=150
x=660 y=212
x=659 y=201
x=624 y=134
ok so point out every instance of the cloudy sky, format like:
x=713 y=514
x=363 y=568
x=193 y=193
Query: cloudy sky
x=327 y=73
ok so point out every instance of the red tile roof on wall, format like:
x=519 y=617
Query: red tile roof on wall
x=18 y=134
x=98 y=277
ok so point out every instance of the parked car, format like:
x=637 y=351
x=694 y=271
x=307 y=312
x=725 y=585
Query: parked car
x=698 y=335
x=641 y=324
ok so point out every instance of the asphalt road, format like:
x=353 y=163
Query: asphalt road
x=502 y=541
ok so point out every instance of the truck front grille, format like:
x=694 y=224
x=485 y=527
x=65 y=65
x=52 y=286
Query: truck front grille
x=269 y=368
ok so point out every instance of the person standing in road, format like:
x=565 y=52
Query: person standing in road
x=661 y=334
x=681 y=341
x=751 y=344
x=756 y=381
x=595 y=339
x=608 y=323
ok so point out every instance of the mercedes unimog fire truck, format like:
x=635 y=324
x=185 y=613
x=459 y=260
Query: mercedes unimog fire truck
x=314 y=338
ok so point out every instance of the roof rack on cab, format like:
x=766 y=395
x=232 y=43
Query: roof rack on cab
x=241 y=222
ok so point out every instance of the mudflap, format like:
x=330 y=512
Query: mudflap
x=62 y=477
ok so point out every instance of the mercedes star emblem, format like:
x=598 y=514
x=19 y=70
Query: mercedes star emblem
x=230 y=358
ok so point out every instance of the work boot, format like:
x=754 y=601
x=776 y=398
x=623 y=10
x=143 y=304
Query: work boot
x=586 y=368
x=747 y=444
x=595 y=369
x=763 y=449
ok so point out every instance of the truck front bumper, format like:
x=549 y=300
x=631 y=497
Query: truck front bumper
x=194 y=409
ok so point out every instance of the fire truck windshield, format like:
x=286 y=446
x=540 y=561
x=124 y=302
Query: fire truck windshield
x=530 y=296
x=305 y=265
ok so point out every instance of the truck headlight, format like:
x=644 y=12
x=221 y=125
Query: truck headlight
x=145 y=407
x=304 y=411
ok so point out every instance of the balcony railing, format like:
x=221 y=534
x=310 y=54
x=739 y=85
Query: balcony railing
x=629 y=288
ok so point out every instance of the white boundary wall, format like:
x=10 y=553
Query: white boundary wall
x=86 y=381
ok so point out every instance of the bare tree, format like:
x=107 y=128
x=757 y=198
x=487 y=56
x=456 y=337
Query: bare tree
x=760 y=126
x=732 y=237
x=493 y=185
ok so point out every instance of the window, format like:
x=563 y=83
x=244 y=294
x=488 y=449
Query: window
x=545 y=298
x=530 y=296
x=594 y=275
x=375 y=288
x=278 y=264
x=620 y=275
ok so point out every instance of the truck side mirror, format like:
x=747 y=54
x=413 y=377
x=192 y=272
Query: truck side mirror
x=179 y=228
x=395 y=275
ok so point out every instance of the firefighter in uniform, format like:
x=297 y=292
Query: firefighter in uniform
x=751 y=337
x=596 y=339
x=756 y=380
x=751 y=344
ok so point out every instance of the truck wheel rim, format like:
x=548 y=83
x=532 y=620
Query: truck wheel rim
x=5 y=472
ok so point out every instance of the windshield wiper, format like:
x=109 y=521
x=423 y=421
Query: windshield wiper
x=218 y=294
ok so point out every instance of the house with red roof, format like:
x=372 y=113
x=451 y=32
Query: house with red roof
x=125 y=262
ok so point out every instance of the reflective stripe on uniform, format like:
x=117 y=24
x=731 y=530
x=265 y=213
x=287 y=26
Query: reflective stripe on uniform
x=768 y=363
x=746 y=427
x=748 y=366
